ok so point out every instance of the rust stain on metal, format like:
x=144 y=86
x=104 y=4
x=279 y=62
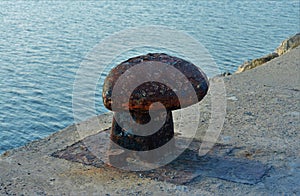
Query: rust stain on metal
x=148 y=93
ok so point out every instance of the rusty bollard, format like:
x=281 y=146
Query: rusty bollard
x=146 y=94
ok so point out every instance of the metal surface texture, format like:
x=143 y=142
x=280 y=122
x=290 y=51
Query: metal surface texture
x=153 y=91
x=145 y=95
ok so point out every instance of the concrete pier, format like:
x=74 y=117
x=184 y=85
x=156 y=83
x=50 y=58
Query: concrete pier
x=262 y=122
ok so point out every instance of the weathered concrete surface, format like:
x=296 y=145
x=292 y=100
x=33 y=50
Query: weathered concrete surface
x=220 y=162
x=262 y=120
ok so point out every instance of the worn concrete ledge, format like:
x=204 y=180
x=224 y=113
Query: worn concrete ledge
x=262 y=121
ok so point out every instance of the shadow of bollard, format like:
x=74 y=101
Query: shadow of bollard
x=218 y=163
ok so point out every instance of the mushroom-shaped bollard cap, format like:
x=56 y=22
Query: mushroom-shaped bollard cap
x=190 y=83
x=151 y=92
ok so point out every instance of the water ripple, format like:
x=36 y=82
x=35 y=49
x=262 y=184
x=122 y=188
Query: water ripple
x=42 y=44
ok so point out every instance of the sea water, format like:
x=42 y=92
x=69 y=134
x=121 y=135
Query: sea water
x=43 y=43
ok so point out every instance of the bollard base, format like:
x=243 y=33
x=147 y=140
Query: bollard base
x=127 y=140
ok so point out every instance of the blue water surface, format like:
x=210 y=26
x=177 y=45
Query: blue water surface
x=43 y=43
